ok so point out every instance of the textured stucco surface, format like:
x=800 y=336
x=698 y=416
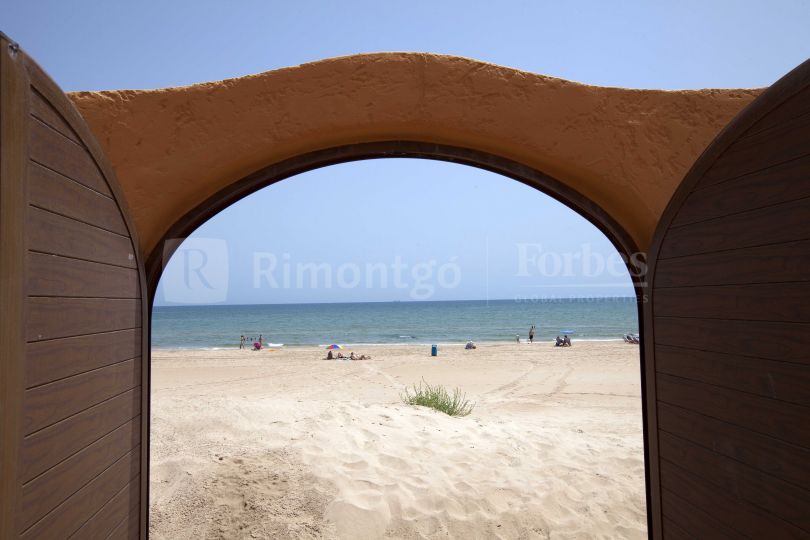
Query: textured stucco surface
x=627 y=150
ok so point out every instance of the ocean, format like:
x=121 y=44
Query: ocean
x=219 y=326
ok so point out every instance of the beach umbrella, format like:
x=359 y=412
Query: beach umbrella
x=567 y=332
x=334 y=346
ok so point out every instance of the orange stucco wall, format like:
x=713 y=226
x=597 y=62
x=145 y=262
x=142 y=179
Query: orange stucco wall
x=627 y=150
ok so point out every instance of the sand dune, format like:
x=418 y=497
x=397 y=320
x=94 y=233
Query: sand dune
x=282 y=444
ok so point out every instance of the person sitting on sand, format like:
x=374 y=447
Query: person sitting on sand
x=559 y=342
x=469 y=345
x=364 y=357
x=566 y=341
x=340 y=355
x=257 y=346
x=329 y=356
x=351 y=356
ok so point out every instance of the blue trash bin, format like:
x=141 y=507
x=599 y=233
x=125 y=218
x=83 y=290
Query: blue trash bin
x=434 y=350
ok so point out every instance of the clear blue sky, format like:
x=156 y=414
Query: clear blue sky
x=422 y=212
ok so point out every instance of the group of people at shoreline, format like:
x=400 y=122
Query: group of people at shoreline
x=564 y=341
x=257 y=344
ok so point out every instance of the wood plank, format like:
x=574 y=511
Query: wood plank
x=112 y=514
x=779 y=184
x=778 y=419
x=52 y=317
x=776 y=224
x=788 y=140
x=692 y=522
x=56 y=359
x=789 y=302
x=46 y=448
x=54 y=275
x=50 y=489
x=128 y=529
x=52 y=233
x=735 y=514
x=52 y=402
x=42 y=110
x=764 y=264
x=57 y=152
x=780 y=341
x=782 y=499
x=777 y=380
x=14 y=122
x=793 y=107
x=777 y=458
x=51 y=191
x=673 y=531
x=69 y=516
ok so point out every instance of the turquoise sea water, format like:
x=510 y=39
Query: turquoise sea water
x=392 y=322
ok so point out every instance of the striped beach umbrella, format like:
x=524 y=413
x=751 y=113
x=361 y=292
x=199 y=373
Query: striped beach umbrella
x=334 y=346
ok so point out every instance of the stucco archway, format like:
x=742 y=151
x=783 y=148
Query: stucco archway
x=624 y=150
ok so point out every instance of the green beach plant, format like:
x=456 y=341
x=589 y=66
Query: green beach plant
x=438 y=398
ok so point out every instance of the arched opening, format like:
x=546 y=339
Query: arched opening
x=530 y=177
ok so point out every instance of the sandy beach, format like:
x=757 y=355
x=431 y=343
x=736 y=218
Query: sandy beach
x=284 y=444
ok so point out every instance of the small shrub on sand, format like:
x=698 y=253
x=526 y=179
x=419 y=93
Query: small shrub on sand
x=437 y=397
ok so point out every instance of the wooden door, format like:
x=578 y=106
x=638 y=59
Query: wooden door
x=727 y=338
x=71 y=343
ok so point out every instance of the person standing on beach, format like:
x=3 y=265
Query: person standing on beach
x=531 y=334
x=242 y=341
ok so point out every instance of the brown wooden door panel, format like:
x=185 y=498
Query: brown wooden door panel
x=733 y=513
x=787 y=302
x=42 y=110
x=127 y=529
x=49 y=446
x=69 y=516
x=789 y=262
x=53 y=150
x=50 y=489
x=774 y=457
x=778 y=419
x=727 y=329
x=48 y=361
x=690 y=522
x=53 y=317
x=780 y=341
x=782 y=499
x=51 y=191
x=785 y=381
x=55 y=275
x=47 y=404
x=775 y=185
x=794 y=106
x=116 y=512
x=785 y=222
x=59 y=235
x=782 y=143
x=74 y=395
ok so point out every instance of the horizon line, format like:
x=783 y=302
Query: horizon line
x=522 y=301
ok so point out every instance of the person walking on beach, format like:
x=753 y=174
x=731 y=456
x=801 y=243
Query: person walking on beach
x=531 y=334
x=242 y=341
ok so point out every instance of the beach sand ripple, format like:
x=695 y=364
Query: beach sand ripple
x=283 y=444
